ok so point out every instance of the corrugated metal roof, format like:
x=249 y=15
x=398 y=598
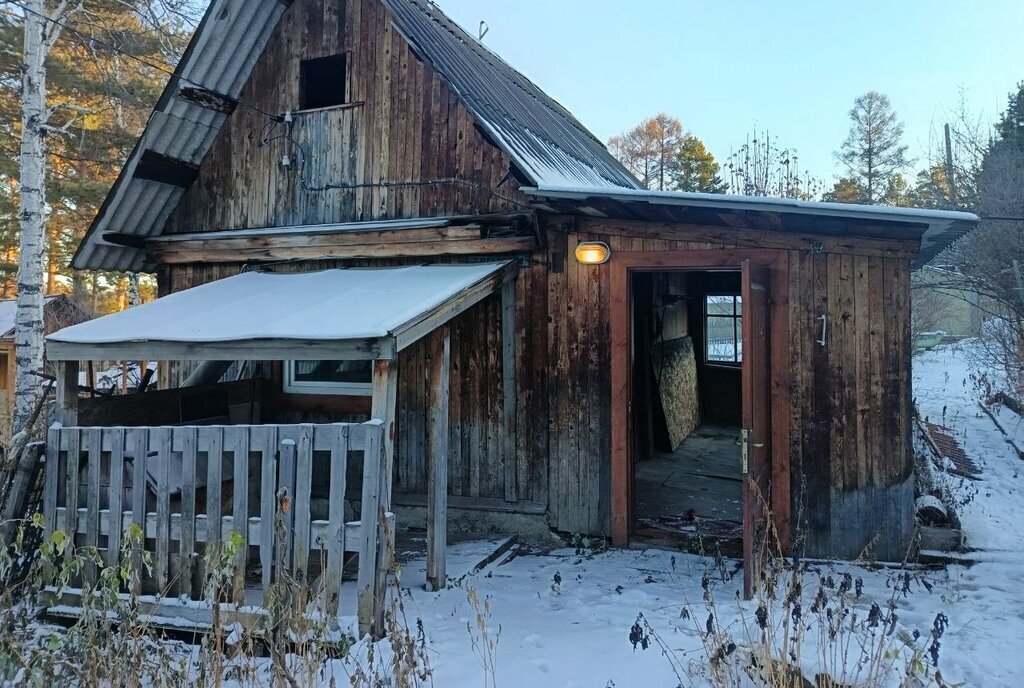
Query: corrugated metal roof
x=352 y=304
x=219 y=58
x=541 y=137
x=936 y=229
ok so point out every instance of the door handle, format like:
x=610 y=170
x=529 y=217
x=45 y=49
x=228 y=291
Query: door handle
x=745 y=445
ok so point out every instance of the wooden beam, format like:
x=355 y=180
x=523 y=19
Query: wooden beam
x=339 y=234
x=437 y=459
x=126 y=240
x=157 y=167
x=205 y=98
x=243 y=350
x=750 y=238
x=423 y=324
x=508 y=389
x=67 y=393
x=215 y=251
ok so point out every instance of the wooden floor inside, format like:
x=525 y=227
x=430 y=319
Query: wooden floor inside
x=695 y=490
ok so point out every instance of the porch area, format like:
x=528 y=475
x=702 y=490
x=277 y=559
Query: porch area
x=257 y=504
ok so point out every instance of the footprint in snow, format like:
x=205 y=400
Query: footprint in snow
x=532 y=640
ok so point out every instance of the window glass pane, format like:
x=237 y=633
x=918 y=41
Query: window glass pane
x=334 y=371
x=739 y=305
x=720 y=305
x=721 y=339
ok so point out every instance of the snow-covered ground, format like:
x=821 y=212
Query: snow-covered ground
x=576 y=632
x=564 y=617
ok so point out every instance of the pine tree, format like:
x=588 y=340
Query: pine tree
x=697 y=168
x=845 y=190
x=873 y=150
x=1010 y=127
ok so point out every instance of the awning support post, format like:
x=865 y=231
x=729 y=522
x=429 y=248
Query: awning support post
x=382 y=407
x=439 y=353
x=67 y=393
x=385 y=394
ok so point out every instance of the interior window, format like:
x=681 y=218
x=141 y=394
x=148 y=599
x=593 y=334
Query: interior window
x=329 y=377
x=723 y=328
x=322 y=82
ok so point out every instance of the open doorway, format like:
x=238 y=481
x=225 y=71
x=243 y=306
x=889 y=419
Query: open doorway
x=687 y=396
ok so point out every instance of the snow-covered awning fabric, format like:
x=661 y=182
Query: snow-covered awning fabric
x=352 y=313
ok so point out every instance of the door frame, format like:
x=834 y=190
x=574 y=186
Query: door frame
x=622 y=264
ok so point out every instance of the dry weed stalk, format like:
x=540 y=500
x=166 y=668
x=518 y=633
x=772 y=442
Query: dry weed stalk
x=810 y=628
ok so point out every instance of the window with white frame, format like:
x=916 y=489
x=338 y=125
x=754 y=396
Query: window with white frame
x=723 y=329
x=353 y=378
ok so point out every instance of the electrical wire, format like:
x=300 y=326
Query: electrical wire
x=343 y=186
x=165 y=68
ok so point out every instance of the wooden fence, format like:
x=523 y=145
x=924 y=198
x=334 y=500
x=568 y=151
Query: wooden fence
x=189 y=506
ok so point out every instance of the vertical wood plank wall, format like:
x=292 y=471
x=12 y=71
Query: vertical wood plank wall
x=850 y=405
x=403 y=124
x=849 y=400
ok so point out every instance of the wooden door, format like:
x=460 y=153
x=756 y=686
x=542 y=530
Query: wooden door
x=756 y=428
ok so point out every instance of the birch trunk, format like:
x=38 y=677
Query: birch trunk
x=28 y=330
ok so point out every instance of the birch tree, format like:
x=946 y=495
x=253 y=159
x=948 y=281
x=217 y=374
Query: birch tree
x=81 y=76
x=41 y=32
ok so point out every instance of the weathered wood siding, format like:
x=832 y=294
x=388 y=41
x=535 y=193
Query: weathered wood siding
x=390 y=153
x=849 y=401
x=848 y=410
x=477 y=460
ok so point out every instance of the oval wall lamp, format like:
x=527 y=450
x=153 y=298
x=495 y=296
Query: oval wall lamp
x=593 y=252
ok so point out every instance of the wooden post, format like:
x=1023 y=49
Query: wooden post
x=385 y=394
x=437 y=459
x=369 y=604
x=67 y=393
x=508 y=387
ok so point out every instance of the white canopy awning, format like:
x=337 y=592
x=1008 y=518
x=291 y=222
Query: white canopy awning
x=352 y=313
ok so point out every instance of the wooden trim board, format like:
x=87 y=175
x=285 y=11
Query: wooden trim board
x=623 y=263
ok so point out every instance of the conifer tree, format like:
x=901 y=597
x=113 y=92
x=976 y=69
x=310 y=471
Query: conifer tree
x=873 y=150
x=697 y=168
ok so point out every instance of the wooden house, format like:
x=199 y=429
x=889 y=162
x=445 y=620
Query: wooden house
x=382 y=219
x=59 y=311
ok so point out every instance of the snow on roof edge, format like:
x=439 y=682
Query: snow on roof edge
x=763 y=203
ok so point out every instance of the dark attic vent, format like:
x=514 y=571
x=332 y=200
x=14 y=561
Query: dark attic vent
x=322 y=82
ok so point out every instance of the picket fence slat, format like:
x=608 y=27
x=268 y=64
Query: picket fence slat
x=172 y=483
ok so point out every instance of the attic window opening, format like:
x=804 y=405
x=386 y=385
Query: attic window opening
x=322 y=82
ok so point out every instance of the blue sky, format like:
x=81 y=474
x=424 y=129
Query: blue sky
x=791 y=66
